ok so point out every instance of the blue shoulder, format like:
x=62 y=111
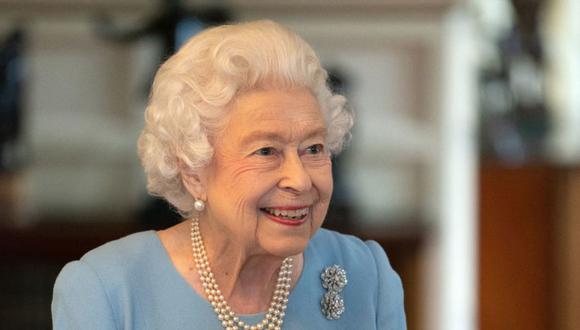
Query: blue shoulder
x=80 y=300
x=123 y=254
x=112 y=266
x=344 y=248
x=88 y=292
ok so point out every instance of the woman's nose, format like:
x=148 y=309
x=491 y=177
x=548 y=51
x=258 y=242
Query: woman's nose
x=294 y=175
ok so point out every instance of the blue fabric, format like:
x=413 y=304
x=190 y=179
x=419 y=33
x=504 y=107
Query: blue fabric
x=131 y=283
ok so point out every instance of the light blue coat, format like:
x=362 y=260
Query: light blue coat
x=131 y=283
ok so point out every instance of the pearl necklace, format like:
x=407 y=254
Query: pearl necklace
x=229 y=320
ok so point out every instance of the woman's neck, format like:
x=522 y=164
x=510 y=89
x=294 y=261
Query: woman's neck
x=246 y=278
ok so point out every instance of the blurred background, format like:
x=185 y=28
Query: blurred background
x=464 y=163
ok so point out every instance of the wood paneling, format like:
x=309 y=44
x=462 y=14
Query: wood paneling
x=517 y=221
x=567 y=300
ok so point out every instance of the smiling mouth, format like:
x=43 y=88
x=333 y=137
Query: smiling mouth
x=287 y=216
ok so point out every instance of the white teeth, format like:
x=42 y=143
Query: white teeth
x=294 y=214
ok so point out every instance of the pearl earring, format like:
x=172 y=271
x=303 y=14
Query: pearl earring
x=199 y=205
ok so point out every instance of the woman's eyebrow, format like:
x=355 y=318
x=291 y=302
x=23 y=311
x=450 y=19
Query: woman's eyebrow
x=261 y=136
x=316 y=132
x=275 y=136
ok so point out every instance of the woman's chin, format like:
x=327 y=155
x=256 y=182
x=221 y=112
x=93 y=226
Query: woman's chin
x=285 y=237
x=285 y=247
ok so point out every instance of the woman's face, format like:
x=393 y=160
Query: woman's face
x=270 y=182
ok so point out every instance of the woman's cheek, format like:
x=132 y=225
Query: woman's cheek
x=322 y=173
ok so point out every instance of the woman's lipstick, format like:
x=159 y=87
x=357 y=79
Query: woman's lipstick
x=298 y=211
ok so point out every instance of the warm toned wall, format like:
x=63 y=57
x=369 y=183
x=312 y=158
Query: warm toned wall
x=529 y=247
x=567 y=300
x=516 y=247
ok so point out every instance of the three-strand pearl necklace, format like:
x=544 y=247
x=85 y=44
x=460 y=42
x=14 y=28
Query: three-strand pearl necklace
x=229 y=320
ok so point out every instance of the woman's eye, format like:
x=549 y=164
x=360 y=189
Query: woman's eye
x=315 y=149
x=266 y=151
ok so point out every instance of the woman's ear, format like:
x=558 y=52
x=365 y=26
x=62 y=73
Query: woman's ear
x=193 y=181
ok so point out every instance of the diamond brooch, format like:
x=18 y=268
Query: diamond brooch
x=334 y=280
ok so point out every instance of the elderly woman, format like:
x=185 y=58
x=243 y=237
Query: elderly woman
x=239 y=135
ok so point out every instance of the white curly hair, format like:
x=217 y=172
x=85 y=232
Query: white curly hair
x=192 y=89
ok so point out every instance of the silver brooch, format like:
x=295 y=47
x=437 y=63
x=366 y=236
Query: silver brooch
x=334 y=280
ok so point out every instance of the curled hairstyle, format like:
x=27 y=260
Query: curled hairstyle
x=192 y=89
